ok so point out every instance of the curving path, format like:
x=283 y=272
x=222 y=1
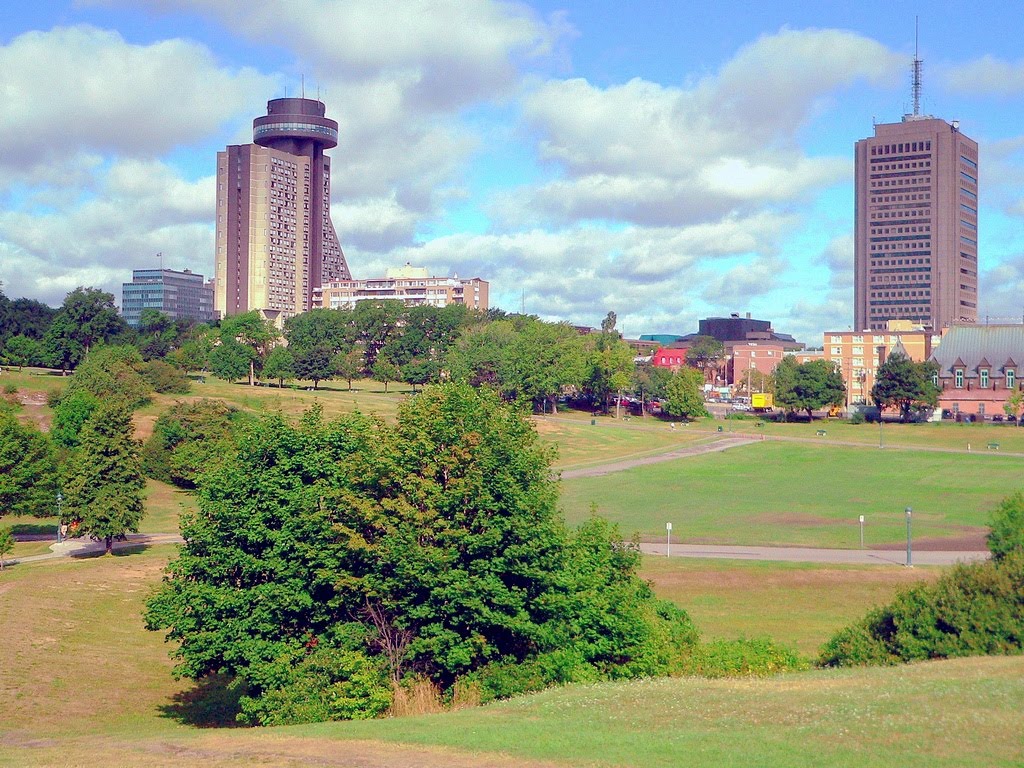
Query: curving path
x=718 y=444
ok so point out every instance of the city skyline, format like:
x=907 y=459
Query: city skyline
x=665 y=164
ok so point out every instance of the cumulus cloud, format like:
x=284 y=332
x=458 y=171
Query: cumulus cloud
x=837 y=258
x=656 y=154
x=139 y=208
x=446 y=53
x=986 y=75
x=85 y=89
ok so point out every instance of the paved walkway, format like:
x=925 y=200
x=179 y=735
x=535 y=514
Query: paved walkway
x=718 y=444
x=82 y=547
x=814 y=555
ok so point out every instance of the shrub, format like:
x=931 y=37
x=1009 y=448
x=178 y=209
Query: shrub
x=858 y=418
x=974 y=609
x=165 y=378
x=1007 y=527
x=187 y=439
x=10 y=389
x=112 y=373
x=507 y=678
x=328 y=684
x=757 y=657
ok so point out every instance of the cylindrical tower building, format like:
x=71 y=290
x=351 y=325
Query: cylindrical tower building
x=299 y=127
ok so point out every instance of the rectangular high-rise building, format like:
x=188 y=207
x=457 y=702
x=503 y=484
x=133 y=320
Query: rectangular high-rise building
x=179 y=295
x=276 y=245
x=916 y=225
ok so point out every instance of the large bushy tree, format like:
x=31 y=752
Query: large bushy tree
x=325 y=552
x=28 y=475
x=253 y=331
x=904 y=384
x=103 y=481
x=705 y=354
x=808 y=386
x=87 y=317
x=684 y=394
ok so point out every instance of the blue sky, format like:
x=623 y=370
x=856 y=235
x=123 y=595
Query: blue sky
x=667 y=161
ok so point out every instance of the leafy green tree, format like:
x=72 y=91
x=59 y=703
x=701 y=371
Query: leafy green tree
x=543 y=360
x=190 y=438
x=231 y=360
x=430 y=547
x=252 y=330
x=326 y=328
x=1014 y=404
x=315 y=365
x=374 y=324
x=61 y=348
x=650 y=382
x=705 y=354
x=348 y=365
x=88 y=316
x=103 y=481
x=165 y=378
x=113 y=373
x=611 y=364
x=684 y=394
x=1007 y=527
x=808 y=386
x=280 y=365
x=28 y=476
x=24 y=317
x=419 y=371
x=194 y=352
x=480 y=355
x=904 y=384
x=21 y=351
x=385 y=371
x=69 y=416
x=750 y=381
x=6 y=545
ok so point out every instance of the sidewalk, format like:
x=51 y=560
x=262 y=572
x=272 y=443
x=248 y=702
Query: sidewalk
x=85 y=546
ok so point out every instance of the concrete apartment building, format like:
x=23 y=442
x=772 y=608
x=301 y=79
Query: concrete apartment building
x=411 y=285
x=916 y=225
x=275 y=243
x=179 y=295
x=859 y=354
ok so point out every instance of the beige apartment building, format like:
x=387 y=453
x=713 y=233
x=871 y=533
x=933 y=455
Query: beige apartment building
x=859 y=354
x=411 y=285
x=916 y=225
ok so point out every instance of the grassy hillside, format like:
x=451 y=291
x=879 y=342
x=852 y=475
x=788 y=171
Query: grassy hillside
x=84 y=684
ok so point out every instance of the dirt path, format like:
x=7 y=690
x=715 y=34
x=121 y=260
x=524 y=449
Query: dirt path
x=718 y=444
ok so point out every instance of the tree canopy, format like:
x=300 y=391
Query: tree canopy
x=352 y=551
x=103 y=480
x=808 y=386
x=902 y=383
x=684 y=394
x=28 y=475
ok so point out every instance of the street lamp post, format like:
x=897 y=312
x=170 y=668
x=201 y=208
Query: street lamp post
x=60 y=516
x=668 y=539
x=910 y=561
x=880 y=443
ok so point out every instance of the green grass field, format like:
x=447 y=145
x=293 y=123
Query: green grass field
x=799 y=604
x=84 y=684
x=776 y=492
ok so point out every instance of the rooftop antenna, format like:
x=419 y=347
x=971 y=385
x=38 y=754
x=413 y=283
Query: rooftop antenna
x=160 y=255
x=303 y=81
x=916 y=82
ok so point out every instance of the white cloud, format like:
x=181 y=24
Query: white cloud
x=986 y=75
x=83 y=88
x=446 y=53
x=654 y=154
x=139 y=208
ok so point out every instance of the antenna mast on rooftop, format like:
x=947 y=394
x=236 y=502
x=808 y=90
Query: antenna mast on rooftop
x=916 y=82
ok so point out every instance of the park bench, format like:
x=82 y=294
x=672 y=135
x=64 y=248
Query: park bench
x=821 y=433
x=993 y=446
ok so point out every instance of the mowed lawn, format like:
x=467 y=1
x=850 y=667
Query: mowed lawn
x=798 y=604
x=784 y=493
x=84 y=683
